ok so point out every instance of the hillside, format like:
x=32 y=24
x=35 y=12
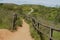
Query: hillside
x=47 y=15
x=50 y=13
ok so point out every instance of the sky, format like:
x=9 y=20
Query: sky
x=39 y=2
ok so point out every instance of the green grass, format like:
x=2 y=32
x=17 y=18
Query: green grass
x=3 y=26
x=36 y=36
x=34 y=33
x=56 y=35
x=47 y=13
x=6 y=19
x=19 y=22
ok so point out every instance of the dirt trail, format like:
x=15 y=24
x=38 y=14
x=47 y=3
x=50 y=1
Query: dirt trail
x=22 y=33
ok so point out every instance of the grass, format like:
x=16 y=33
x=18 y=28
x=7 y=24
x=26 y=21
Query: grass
x=56 y=35
x=49 y=13
x=6 y=19
x=36 y=36
x=34 y=33
x=3 y=26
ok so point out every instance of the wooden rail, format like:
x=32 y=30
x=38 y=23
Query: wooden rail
x=36 y=22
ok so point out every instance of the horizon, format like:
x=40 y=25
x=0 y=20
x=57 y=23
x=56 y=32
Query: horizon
x=50 y=3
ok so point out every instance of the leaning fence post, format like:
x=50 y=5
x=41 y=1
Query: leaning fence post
x=51 y=34
x=33 y=21
x=14 y=21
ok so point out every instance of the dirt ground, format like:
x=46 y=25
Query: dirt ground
x=22 y=33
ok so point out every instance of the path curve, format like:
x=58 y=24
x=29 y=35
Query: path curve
x=32 y=10
x=22 y=33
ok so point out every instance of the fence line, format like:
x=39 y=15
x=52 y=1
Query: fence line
x=35 y=22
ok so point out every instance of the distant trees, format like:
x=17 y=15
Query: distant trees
x=48 y=13
x=1 y=4
x=57 y=18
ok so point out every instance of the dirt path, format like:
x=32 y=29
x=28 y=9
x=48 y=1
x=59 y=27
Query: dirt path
x=23 y=33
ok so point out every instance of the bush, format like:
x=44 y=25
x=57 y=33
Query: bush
x=19 y=21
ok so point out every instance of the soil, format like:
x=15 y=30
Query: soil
x=22 y=33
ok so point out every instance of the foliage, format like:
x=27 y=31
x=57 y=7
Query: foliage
x=6 y=16
x=51 y=14
x=19 y=21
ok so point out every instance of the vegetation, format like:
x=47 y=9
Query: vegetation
x=6 y=16
x=47 y=15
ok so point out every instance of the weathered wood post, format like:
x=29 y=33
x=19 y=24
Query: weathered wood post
x=38 y=24
x=51 y=34
x=41 y=35
x=14 y=21
x=33 y=22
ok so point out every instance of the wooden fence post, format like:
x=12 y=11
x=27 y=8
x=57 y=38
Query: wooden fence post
x=51 y=34
x=41 y=35
x=14 y=21
x=38 y=24
x=33 y=22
